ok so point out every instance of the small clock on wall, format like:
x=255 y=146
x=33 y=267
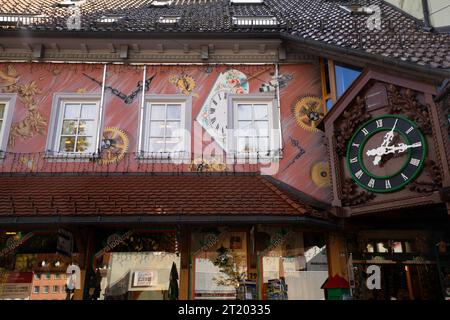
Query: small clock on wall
x=386 y=153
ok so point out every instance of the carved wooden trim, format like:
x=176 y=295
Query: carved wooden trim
x=406 y=102
x=351 y=119
x=433 y=169
x=352 y=197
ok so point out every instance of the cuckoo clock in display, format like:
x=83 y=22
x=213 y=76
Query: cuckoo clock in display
x=386 y=153
x=213 y=115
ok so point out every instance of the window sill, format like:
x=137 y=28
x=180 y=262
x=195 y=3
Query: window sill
x=70 y=157
x=151 y=158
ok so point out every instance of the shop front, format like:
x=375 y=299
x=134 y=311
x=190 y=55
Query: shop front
x=258 y=262
x=407 y=263
x=223 y=262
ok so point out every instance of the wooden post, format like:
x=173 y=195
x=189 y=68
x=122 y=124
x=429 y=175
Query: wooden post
x=337 y=257
x=184 y=263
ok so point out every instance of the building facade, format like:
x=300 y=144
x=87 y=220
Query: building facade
x=155 y=150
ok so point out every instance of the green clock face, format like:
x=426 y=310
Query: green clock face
x=386 y=153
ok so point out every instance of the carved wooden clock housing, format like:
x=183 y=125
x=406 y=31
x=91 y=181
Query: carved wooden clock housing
x=383 y=146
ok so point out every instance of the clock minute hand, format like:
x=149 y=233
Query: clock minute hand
x=387 y=139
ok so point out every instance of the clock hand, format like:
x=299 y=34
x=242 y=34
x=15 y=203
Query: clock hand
x=401 y=147
x=381 y=151
x=387 y=139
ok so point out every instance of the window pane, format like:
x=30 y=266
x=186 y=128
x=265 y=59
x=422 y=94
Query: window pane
x=382 y=247
x=157 y=129
x=370 y=247
x=86 y=128
x=344 y=78
x=262 y=128
x=2 y=110
x=1 y=124
x=67 y=144
x=245 y=129
x=246 y=145
x=397 y=247
x=173 y=129
x=173 y=111
x=88 y=111
x=263 y=144
x=261 y=111
x=173 y=144
x=156 y=145
x=84 y=144
x=244 y=112
x=69 y=127
x=158 y=112
x=72 y=111
x=36 y=289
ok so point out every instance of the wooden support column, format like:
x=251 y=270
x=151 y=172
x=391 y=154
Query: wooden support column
x=86 y=243
x=337 y=257
x=184 y=263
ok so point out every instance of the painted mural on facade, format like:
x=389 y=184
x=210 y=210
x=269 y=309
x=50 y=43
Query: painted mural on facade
x=304 y=162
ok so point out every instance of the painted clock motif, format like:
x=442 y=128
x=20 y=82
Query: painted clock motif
x=213 y=115
x=386 y=153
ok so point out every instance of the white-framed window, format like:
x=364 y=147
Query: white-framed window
x=45 y=289
x=55 y=289
x=74 y=129
x=7 y=103
x=254 y=125
x=165 y=130
x=36 y=289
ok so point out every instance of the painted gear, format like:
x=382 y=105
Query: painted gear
x=114 y=145
x=308 y=112
x=320 y=174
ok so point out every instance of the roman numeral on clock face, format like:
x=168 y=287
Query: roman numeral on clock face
x=409 y=130
x=388 y=184
x=379 y=123
x=365 y=131
x=359 y=174
x=371 y=183
x=354 y=160
x=415 y=162
x=404 y=177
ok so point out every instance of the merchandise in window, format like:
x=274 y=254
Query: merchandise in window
x=78 y=128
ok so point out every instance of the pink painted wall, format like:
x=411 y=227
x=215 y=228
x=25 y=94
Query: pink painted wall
x=35 y=85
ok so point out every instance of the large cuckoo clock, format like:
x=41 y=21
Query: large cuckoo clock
x=386 y=153
x=380 y=138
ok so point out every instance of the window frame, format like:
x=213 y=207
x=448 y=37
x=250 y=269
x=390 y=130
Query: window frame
x=275 y=133
x=143 y=152
x=36 y=291
x=9 y=99
x=44 y=291
x=56 y=121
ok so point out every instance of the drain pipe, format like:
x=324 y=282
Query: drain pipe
x=426 y=16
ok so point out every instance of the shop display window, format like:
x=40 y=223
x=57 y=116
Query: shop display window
x=293 y=264
x=28 y=265
x=220 y=265
x=140 y=266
